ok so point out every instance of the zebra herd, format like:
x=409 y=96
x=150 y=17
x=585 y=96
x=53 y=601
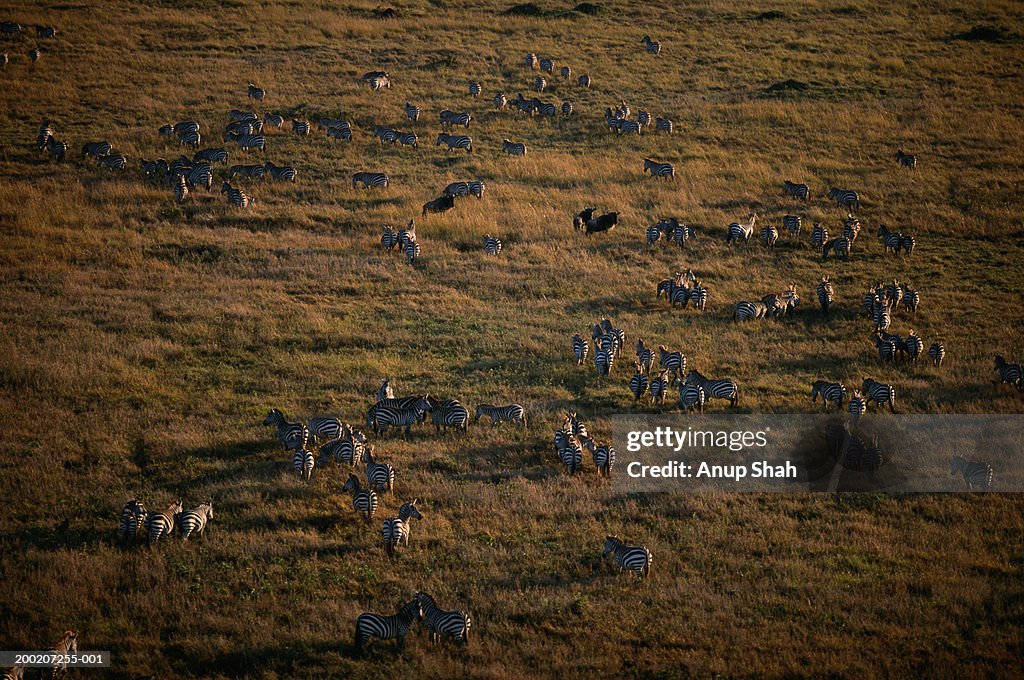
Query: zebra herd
x=618 y=120
x=14 y=29
x=137 y=523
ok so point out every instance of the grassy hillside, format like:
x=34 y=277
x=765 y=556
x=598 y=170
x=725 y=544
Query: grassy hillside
x=143 y=341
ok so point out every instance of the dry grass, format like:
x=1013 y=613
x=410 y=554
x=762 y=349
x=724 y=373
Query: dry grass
x=142 y=342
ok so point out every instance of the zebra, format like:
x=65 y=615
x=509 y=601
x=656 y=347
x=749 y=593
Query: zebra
x=845 y=198
x=455 y=142
x=180 y=190
x=580 y=349
x=650 y=45
x=408 y=139
x=380 y=476
x=379 y=83
x=737 y=231
x=915 y=346
x=680 y=294
x=749 y=310
x=547 y=65
x=540 y=83
x=119 y=162
x=201 y=175
x=886 y=349
x=644 y=355
x=385 y=390
x=492 y=246
x=194 y=521
x=45 y=31
x=911 y=299
x=190 y=138
x=974 y=473
x=799 y=191
x=692 y=398
x=45 y=133
x=412 y=112
x=603 y=360
x=345 y=449
x=1009 y=373
x=396 y=626
x=213 y=155
x=653 y=234
x=629 y=127
x=532 y=61
x=385 y=134
x=829 y=391
x=858 y=405
x=292 y=435
x=575 y=426
x=571 y=454
x=513 y=148
x=699 y=296
x=159 y=524
x=681 y=233
x=513 y=413
x=638 y=384
x=364 y=500
x=891 y=240
x=819 y=235
x=57 y=148
x=303 y=463
x=412 y=251
x=826 y=293
x=257 y=93
x=908 y=243
x=342 y=131
x=547 y=109
x=673 y=362
x=769 y=235
x=465 y=189
x=370 y=179
x=450 y=118
x=35 y=54
x=792 y=224
x=280 y=172
x=246 y=142
x=500 y=101
x=883 y=317
x=396 y=529
x=880 y=393
x=322 y=428
x=840 y=246
x=474 y=90
x=906 y=160
x=663 y=124
x=237 y=115
x=133 y=517
x=717 y=389
x=248 y=171
x=603 y=456
x=67 y=646
x=659 y=169
x=851 y=228
x=236 y=197
x=301 y=127
x=659 y=387
x=634 y=558
x=567 y=109
x=937 y=352
x=96 y=149
x=389 y=416
x=273 y=120
x=448 y=413
x=583 y=81
x=441 y=623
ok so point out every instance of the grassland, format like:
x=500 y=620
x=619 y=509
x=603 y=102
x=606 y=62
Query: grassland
x=143 y=342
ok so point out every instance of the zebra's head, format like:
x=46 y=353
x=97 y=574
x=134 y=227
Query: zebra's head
x=425 y=601
x=412 y=610
x=351 y=484
x=610 y=544
x=957 y=463
x=208 y=505
x=409 y=510
x=1000 y=361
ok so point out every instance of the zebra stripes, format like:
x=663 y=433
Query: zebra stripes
x=303 y=463
x=412 y=252
x=792 y=224
x=540 y=83
x=851 y=228
x=284 y=173
x=346 y=449
x=975 y=474
x=160 y=524
x=604 y=358
x=395 y=627
x=829 y=392
x=385 y=134
x=769 y=235
x=644 y=355
x=257 y=93
x=906 y=160
x=571 y=454
x=407 y=139
x=936 y=353
x=450 y=118
x=603 y=456
x=379 y=83
x=442 y=623
x=474 y=188
x=659 y=169
x=891 y=240
x=845 y=198
x=915 y=346
x=292 y=435
x=880 y=393
x=692 y=398
x=364 y=500
x=749 y=310
x=513 y=148
x=634 y=558
x=396 y=529
x=67 y=646
x=567 y=109
x=819 y=235
x=342 y=131
x=194 y=521
x=301 y=127
x=583 y=81
x=1009 y=373
x=383 y=417
x=826 y=294
x=741 y=232
x=236 y=197
x=500 y=101
x=474 y=90
x=246 y=142
x=840 y=246
x=580 y=349
x=212 y=155
x=248 y=171
x=385 y=390
x=380 y=476
x=659 y=387
x=547 y=109
x=448 y=413
x=650 y=45
x=799 y=191
x=370 y=180
x=322 y=428
x=119 y=162
x=532 y=61
x=455 y=142
x=911 y=300
x=96 y=149
x=273 y=120
x=512 y=413
x=858 y=405
x=673 y=362
x=57 y=149
x=663 y=124
x=180 y=190
x=638 y=384
x=130 y=525
x=492 y=246
x=717 y=389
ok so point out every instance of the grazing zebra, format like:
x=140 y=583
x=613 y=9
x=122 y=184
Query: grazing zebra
x=644 y=355
x=566 y=109
x=201 y=175
x=1009 y=373
x=465 y=189
x=396 y=626
x=799 y=191
x=237 y=115
x=749 y=310
x=638 y=384
x=565 y=72
x=513 y=148
x=474 y=90
x=364 y=500
x=407 y=139
x=738 y=232
x=580 y=349
x=412 y=251
x=792 y=224
x=133 y=517
x=653 y=234
x=547 y=65
x=634 y=558
x=845 y=198
x=692 y=398
x=346 y=449
x=213 y=155
x=370 y=179
x=513 y=413
x=380 y=476
x=385 y=134
x=292 y=435
x=500 y=101
x=322 y=428
x=840 y=246
x=547 y=109
x=826 y=294
x=891 y=240
x=450 y=118
x=659 y=169
x=236 y=197
x=35 y=54
x=937 y=352
x=571 y=454
x=67 y=646
x=911 y=299
x=301 y=127
x=883 y=317
x=858 y=405
x=448 y=413
x=160 y=524
x=303 y=463
x=717 y=389
x=834 y=392
x=273 y=120
x=397 y=417
x=379 y=83
x=663 y=124
x=879 y=393
x=908 y=243
x=191 y=138
x=248 y=171
x=119 y=162
x=975 y=474
x=342 y=131
x=650 y=45
x=194 y=521
x=280 y=172
x=257 y=93
x=96 y=149
x=673 y=362
x=540 y=83
x=819 y=235
x=492 y=246
x=455 y=142
x=629 y=127
x=180 y=190
x=57 y=148
x=603 y=456
x=441 y=623
x=246 y=142
x=659 y=387
x=906 y=160
x=412 y=112
x=583 y=81
x=851 y=228
x=603 y=360
x=915 y=346
x=396 y=529
x=699 y=296
x=769 y=235
x=886 y=349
